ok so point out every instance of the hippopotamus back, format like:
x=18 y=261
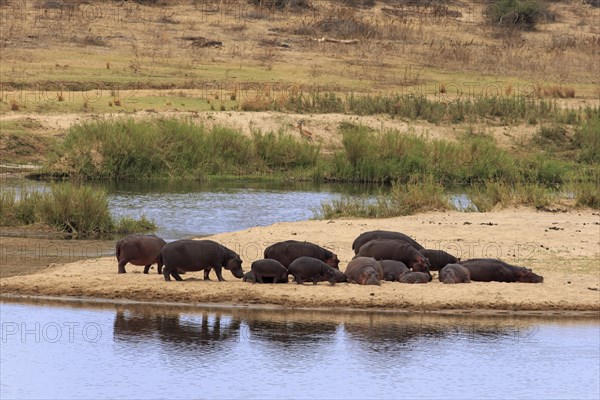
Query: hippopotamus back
x=368 y=236
x=393 y=270
x=438 y=259
x=289 y=250
x=454 y=273
x=491 y=269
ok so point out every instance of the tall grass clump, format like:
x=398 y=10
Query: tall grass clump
x=68 y=208
x=403 y=199
x=128 y=150
x=587 y=140
x=282 y=150
x=495 y=194
x=588 y=195
x=387 y=156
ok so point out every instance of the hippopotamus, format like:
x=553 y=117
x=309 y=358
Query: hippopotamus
x=491 y=269
x=267 y=268
x=414 y=277
x=249 y=277
x=288 y=251
x=393 y=270
x=368 y=236
x=311 y=269
x=196 y=255
x=364 y=271
x=438 y=258
x=454 y=273
x=391 y=249
x=139 y=250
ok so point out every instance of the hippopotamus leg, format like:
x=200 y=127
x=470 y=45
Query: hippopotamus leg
x=206 y=272
x=299 y=280
x=167 y=273
x=258 y=278
x=147 y=268
x=122 y=267
x=219 y=272
x=160 y=266
x=316 y=279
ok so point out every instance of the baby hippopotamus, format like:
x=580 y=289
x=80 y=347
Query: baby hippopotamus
x=311 y=269
x=364 y=271
x=393 y=270
x=414 y=277
x=267 y=268
x=455 y=273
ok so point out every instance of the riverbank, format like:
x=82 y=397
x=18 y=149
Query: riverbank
x=563 y=247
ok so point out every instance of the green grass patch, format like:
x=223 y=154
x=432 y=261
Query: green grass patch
x=77 y=210
x=403 y=199
x=496 y=195
x=177 y=148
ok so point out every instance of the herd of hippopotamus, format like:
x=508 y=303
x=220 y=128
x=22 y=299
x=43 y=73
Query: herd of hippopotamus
x=380 y=256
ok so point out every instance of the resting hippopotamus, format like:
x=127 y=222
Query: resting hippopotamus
x=273 y=269
x=368 y=236
x=288 y=251
x=438 y=258
x=139 y=250
x=311 y=269
x=391 y=249
x=491 y=269
x=454 y=273
x=364 y=271
x=196 y=255
x=414 y=277
x=393 y=270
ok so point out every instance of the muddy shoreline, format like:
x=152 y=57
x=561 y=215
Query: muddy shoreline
x=91 y=302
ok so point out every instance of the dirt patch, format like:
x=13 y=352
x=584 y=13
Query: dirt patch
x=27 y=255
x=568 y=260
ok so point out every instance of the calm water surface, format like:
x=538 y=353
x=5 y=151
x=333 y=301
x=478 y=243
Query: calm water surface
x=70 y=351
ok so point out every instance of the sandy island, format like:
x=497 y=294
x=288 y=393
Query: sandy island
x=563 y=247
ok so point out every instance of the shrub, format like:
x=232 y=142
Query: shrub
x=79 y=210
x=517 y=13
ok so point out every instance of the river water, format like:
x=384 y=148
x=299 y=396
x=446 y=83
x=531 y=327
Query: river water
x=183 y=209
x=114 y=351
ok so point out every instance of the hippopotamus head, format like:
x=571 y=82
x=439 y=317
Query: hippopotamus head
x=422 y=265
x=371 y=278
x=527 y=275
x=330 y=275
x=333 y=261
x=235 y=266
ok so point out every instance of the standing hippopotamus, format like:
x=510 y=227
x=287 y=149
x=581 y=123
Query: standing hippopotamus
x=139 y=250
x=393 y=270
x=439 y=258
x=269 y=269
x=196 y=255
x=414 y=277
x=288 y=251
x=364 y=271
x=491 y=269
x=368 y=236
x=390 y=249
x=311 y=269
x=454 y=273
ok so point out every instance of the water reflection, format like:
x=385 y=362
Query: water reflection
x=240 y=353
